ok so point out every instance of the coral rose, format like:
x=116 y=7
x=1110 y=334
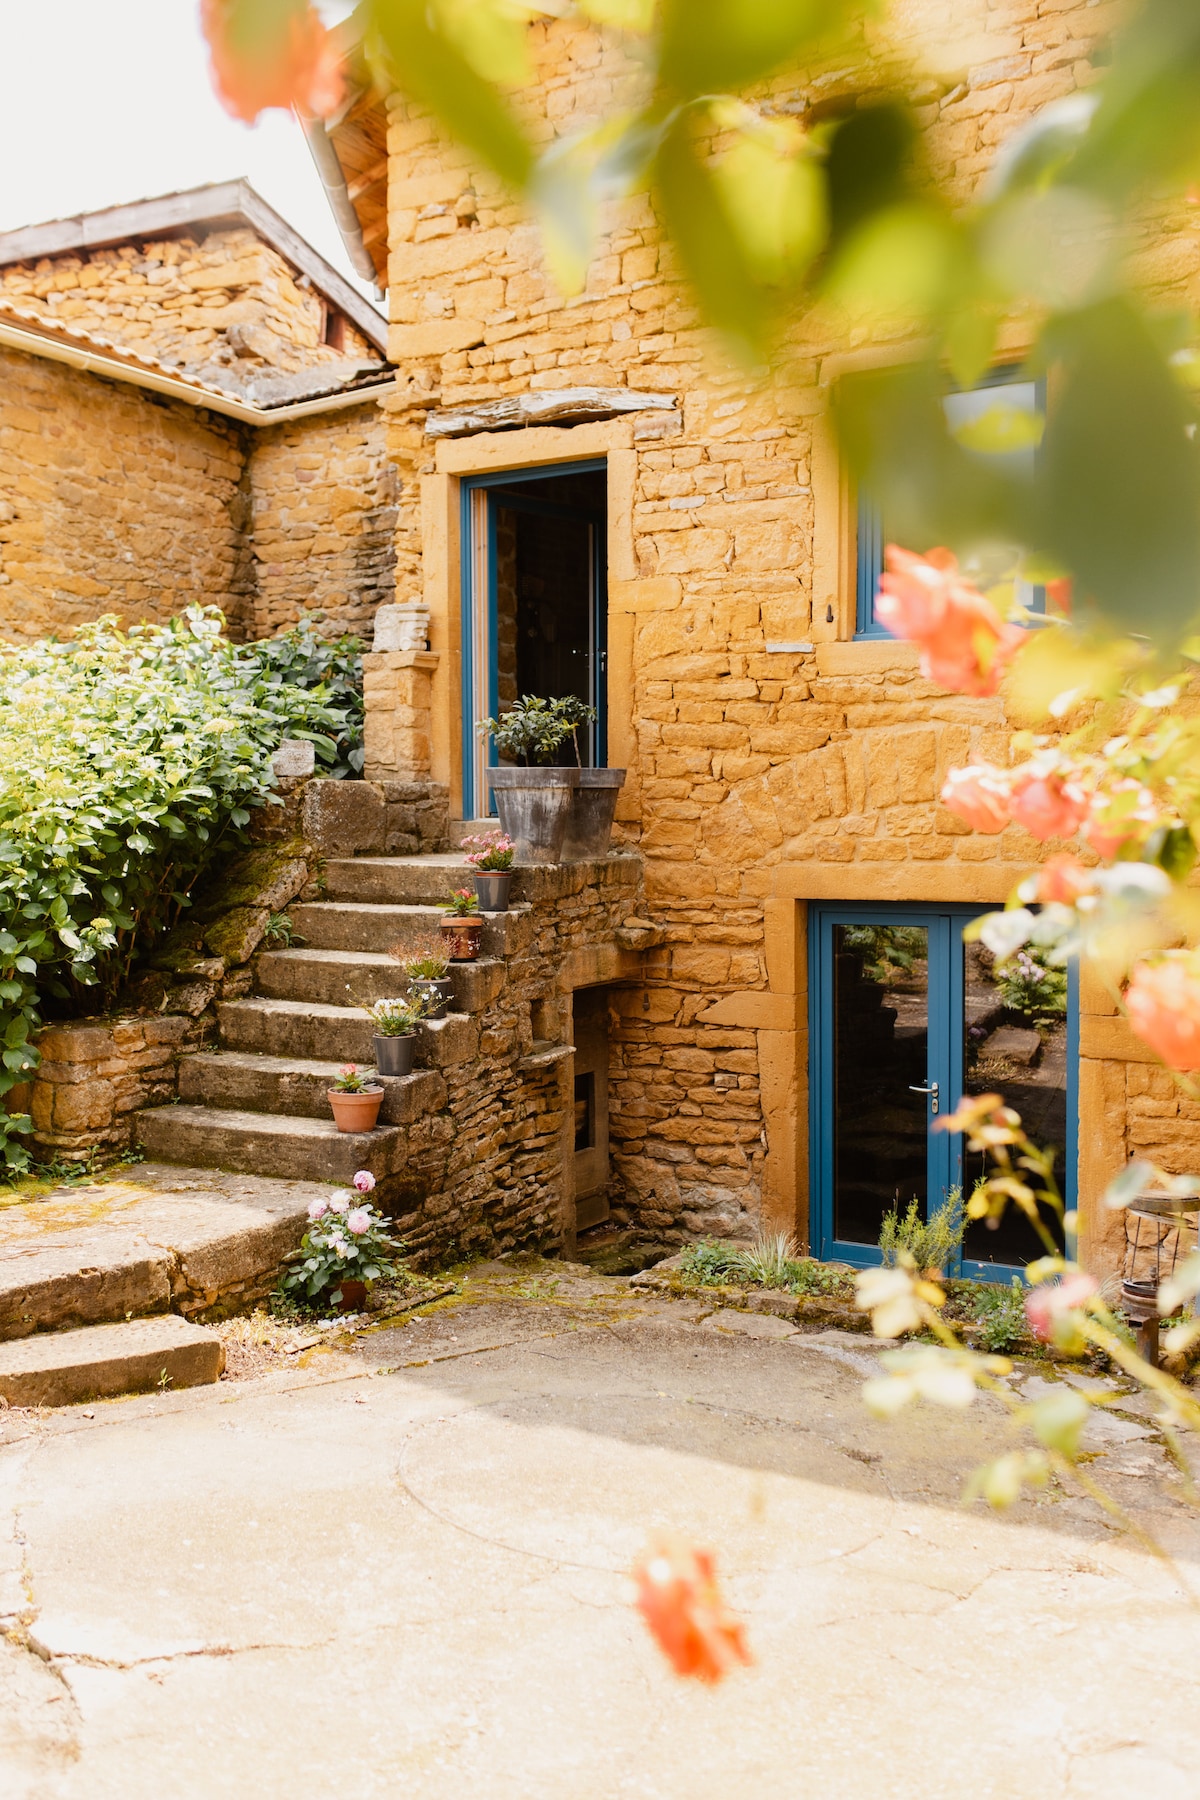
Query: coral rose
x=1047 y=1307
x=1163 y=1002
x=979 y=794
x=964 y=643
x=1119 y=817
x=271 y=53
x=681 y=1603
x=1047 y=805
x=1062 y=879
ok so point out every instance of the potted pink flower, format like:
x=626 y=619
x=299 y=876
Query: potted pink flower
x=490 y=855
x=346 y=1248
x=355 y=1100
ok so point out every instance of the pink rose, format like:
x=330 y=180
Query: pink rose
x=1163 y=1002
x=1062 y=879
x=364 y=1181
x=978 y=794
x=1046 y=1307
x=964 y=643
x=1047 y=805
x=359 y=1220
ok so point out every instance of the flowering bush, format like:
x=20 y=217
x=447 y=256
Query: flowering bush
x=491 y=853
x=462 y=904
x=347 y=1239
x=128 y=762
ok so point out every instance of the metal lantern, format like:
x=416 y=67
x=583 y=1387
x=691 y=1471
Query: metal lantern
x=1159 y=1229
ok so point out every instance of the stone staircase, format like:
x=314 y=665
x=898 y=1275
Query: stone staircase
x=257 y=1104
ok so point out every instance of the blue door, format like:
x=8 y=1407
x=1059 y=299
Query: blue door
x=905 y=1018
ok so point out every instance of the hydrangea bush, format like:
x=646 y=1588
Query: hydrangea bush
x=128 y=761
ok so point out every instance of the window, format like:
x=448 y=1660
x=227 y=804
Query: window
x=963 y=408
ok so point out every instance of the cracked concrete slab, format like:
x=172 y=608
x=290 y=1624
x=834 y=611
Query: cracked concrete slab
x=402 y=1568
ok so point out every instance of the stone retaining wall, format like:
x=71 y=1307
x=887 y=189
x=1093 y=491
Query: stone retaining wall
x=93 y=1076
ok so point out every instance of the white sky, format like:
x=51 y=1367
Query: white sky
x=106 y=101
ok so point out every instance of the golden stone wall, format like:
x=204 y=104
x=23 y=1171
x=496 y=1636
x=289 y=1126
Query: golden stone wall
x=760 y=777
x=110 y=501
x=224 y=296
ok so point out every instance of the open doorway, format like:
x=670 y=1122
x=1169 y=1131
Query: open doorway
x=591 y=1107
x=534 y=603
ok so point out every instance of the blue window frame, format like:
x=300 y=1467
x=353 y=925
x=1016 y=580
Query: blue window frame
x=961 y=406
x=881 y=1039
x=482 y=499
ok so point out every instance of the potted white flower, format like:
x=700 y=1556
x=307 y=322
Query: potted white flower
x=395 y=1039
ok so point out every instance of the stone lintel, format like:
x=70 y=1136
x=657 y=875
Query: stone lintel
x=562 y=406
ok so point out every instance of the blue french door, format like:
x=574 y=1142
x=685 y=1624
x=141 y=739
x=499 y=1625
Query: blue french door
x=904 y=1019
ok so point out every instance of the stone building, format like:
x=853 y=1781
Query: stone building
x=812 y=1004
x=188 y=412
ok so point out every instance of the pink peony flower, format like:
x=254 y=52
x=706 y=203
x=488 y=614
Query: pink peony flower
x=364 y=1181
x=978 y=794
x=339 y=1246
x=277 y=55
x=1047 y=1307
x=1063 y=878
x=1163 y=1002
x=1047 y=805
x=359 y=1220
x=339 y=1202
x=964 y=643
x=317 y=1210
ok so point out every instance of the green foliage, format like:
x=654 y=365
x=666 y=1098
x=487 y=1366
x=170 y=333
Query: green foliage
x=769 y=215
x=398 y=1017
x=350 y=1079
x=347 y=1240
x=280 y=932
x=888 y=951
x=933 y=1243
x=426 y=965
x=462 y=904
x=128 y=762
x=532 y=729
x=709 y=1263
x=331 y=670
x=771 y=1260
x=1029 y=985
x=1001 y=1312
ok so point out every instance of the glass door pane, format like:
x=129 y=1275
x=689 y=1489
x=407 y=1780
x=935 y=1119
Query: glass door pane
x=1015 y=1044
x=880 y=993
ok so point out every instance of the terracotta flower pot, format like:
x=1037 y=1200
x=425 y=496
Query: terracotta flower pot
x=355 y=1112
x=461 y=937
x=354 y=1296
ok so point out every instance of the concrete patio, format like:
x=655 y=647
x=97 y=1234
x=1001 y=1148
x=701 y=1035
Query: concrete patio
x=395 y=1562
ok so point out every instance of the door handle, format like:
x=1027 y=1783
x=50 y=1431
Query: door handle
x=931 y=1090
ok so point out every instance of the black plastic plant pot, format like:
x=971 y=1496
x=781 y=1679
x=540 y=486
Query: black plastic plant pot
x=436 y=991
x=491 y=890
x=394 y=1055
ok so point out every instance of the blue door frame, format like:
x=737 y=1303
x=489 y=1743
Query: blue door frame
x=478 y=636
x=944 y=925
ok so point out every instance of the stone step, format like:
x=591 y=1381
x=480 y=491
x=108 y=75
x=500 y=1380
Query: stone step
x=254 y=1143
x=306 y=1029
x=350 y=978
x=372 y=926
x=398 y=880
x=61 y=1368
x=243 y=1081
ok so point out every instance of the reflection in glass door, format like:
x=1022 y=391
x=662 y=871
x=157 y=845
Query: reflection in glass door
x=905 y=1019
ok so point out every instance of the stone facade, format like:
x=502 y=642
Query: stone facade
x=773 y=760
x=215 y=300
x=93 y=1076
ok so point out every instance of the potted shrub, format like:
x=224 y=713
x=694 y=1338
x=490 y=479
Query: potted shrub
x=462 y=927
x=491 y=858
x=395 y=1039
x=346 y=1248
x=427 y=972
x=355 y=1100
x=556 y=812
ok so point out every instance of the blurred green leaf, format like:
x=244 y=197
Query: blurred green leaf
x=775 y=196
x=710 y=247
x=1147 y=125
x=716 y=46
x=1000 y=430
x=422 y=62
x=1118 y=477
x=491 y=34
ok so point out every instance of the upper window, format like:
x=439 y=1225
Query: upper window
x=963 y=409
